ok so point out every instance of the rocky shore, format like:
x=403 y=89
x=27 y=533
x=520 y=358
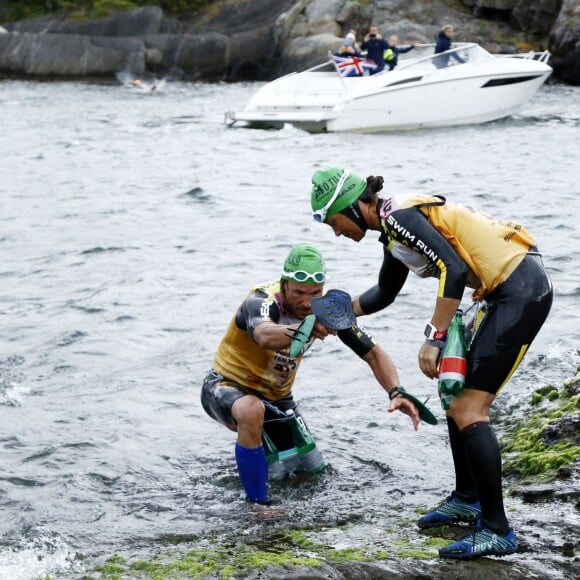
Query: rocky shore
x=541 y=453
x=262 y=39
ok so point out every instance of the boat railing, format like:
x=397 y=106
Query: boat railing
x=462 y=49
x=539 y=55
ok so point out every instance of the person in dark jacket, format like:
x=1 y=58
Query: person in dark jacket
x=375 y=45
x=392 y=53
x=442 y=45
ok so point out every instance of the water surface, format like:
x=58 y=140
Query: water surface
x=131 y=226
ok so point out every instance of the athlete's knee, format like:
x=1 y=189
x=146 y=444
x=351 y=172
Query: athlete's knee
x=248 y=411
x=469 y=407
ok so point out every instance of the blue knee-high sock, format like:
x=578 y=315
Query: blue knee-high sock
x=253 y=470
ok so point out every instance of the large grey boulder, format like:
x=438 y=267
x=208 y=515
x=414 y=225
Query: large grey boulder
x=565 y=43
x=303 y=53
x=231 y=18
x=143 y=41
x=536 y=16
x=321 y=17
x=532 y=16
x=202 y=57
x=253 y=54
x=70 y=55
x=565 y=35
x=137 y=22
x=568 y=68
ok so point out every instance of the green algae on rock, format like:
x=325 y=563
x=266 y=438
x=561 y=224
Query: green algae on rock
x=283 y=548
x=527 y=450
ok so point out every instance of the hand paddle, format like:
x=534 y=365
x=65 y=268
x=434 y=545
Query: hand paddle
x=334 y=310
x=302 y=336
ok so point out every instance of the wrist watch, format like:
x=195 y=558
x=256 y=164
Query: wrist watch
x=431 y=333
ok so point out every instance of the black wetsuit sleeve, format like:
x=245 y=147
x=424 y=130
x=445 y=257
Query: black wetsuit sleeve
x=357 y=339
x=257 y=308
x=425 y=239
x=391 y=279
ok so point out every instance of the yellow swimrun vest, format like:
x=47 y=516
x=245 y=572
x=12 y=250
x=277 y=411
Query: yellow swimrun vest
x=240 y=359
x=492 y=250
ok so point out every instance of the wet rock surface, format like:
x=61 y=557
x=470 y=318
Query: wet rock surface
x=303 y=540
x=544 y=510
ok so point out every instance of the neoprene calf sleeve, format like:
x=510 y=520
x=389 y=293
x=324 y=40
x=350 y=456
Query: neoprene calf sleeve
x=484 y=457
x=253 y=470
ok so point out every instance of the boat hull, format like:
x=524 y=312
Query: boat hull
x=466 y=102
x=416 y=95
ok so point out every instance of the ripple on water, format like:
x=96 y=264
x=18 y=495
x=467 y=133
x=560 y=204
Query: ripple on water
x=198 y=195
x=12 y=387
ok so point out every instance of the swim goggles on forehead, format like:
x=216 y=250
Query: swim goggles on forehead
x=320 y=214
x=302 y=276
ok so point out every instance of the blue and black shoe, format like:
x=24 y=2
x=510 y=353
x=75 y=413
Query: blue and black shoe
x=451 y=511
x=481 y=542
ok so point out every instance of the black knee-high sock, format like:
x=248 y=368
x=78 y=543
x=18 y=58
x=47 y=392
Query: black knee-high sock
x=482 y=450
x=465 y=489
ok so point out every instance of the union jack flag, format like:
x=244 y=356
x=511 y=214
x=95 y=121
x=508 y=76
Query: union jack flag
x=352 y=66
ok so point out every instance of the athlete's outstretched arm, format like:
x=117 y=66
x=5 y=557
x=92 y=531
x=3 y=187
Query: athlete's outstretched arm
x=386 y=374
x=383 y=367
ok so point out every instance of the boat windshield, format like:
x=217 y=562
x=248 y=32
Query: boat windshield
x=423 y=58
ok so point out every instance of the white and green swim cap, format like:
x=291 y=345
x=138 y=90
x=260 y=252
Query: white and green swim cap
x=304 y=264
x=334 y=189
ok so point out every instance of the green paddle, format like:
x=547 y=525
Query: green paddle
x=424 y=412
x=302 y=336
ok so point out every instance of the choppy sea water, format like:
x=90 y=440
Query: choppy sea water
x=131 y=226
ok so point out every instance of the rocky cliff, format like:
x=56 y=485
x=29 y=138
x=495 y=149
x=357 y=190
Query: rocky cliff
x=261 y=39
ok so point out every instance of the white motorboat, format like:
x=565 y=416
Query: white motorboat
x=464 y=85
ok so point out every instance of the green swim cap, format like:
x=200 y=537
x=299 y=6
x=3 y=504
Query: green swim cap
x=304 y=264
x=325 y=200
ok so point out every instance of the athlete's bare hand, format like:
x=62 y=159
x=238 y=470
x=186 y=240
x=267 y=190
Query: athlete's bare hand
x=405 y=406
x=321 y=332
x=428 y=357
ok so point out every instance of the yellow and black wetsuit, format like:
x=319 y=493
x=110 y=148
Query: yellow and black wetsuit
x=462 y=247
x=242 y=367
x=243 y=361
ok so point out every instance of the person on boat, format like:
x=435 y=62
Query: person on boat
x=375 y=45
x=351 y=35
x=462 y=247
x=249 y=388
x=350 y=45
x=348 y=48
x=391 y=55
x=443 y=44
